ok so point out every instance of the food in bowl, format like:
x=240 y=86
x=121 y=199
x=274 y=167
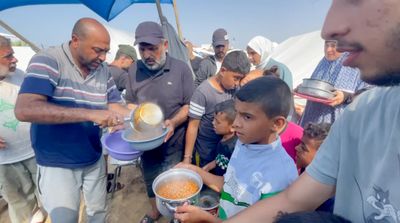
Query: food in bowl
x=177 y=189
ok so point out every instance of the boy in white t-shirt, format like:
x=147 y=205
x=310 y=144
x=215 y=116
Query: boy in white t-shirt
x=259 y=167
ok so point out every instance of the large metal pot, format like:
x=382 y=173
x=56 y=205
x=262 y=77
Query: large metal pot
x=167 y=207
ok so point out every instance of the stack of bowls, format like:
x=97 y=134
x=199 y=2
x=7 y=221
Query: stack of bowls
x=316 y=88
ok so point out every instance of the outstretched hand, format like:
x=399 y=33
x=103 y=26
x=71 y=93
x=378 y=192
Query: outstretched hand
x=191 y=214
x=107 y=118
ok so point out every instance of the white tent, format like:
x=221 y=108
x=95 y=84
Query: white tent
x=24 y=55
x=301 y=54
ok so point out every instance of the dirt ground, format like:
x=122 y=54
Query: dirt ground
x=128 y=205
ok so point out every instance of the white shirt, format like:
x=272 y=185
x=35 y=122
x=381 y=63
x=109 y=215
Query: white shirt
x=15 y=133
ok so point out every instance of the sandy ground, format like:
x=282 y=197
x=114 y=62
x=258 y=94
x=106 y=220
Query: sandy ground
x=128 y=205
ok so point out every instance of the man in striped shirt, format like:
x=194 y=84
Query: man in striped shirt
x=67 y=90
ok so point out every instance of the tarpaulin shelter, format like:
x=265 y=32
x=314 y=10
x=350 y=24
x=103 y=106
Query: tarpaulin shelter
x=109 y=9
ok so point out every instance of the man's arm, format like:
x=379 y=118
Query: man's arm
x=35 y=108
x=190 y=140
x=176 y=121
x=304 y=194
x=119 y=108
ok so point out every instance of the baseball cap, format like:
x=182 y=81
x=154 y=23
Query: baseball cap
x=127 y=50
x=148 y=32
x=219 y=37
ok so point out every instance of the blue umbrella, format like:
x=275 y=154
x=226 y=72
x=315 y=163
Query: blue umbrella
x=107 y=9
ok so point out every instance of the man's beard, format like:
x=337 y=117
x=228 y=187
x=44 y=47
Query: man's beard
x=390 y=76
x=4 y=71
x=387 y=79
x=158 y=63
x=220 y=55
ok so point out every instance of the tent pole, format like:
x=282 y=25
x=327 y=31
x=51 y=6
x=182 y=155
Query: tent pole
x=178 y=26
x=160 y=14
x=15 y=33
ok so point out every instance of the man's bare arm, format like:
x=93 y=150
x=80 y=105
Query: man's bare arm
x=119 y=108
x=35 y=108
x=304 y=194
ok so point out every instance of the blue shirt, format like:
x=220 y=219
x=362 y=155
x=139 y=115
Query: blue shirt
x=255 y=172
x=54 y=74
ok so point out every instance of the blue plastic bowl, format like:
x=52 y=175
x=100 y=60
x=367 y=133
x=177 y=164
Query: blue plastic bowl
x=118 y=148
x=144 y=145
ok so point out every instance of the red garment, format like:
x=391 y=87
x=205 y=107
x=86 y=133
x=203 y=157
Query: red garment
x=290 y=138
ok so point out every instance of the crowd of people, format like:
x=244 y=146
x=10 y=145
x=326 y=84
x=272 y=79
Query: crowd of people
x=234 y=122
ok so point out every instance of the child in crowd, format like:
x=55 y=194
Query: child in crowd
x=200 y=134
x=291 y=133
x=313 y=136
x=223 y=119
x=259 y=166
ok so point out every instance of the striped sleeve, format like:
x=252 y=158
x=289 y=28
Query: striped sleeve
x=42 y=76
x=197 y=106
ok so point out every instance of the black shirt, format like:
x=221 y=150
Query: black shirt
x=171 y=87
x=120 y=77
x=195 y=63
x=224 y=153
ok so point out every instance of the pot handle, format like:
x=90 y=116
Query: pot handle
x=169 y=207
x=172 y=208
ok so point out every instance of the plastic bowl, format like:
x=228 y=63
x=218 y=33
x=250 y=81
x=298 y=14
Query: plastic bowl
x=118 y=148
x=144 y=144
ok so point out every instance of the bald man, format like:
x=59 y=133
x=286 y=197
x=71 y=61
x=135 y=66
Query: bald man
x=67 y=90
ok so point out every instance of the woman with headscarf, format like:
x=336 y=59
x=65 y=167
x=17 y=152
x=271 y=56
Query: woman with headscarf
x=259 y=50
x=346 y=81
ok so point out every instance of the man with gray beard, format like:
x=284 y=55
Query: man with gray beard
x=168 y=82
x=17 y=159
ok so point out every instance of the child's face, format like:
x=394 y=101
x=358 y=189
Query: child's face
x=229 y=79
x=221 y=124
x=252 y=126
x=306 y=150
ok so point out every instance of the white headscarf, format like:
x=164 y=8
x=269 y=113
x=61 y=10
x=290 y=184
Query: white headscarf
x=264 y=47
